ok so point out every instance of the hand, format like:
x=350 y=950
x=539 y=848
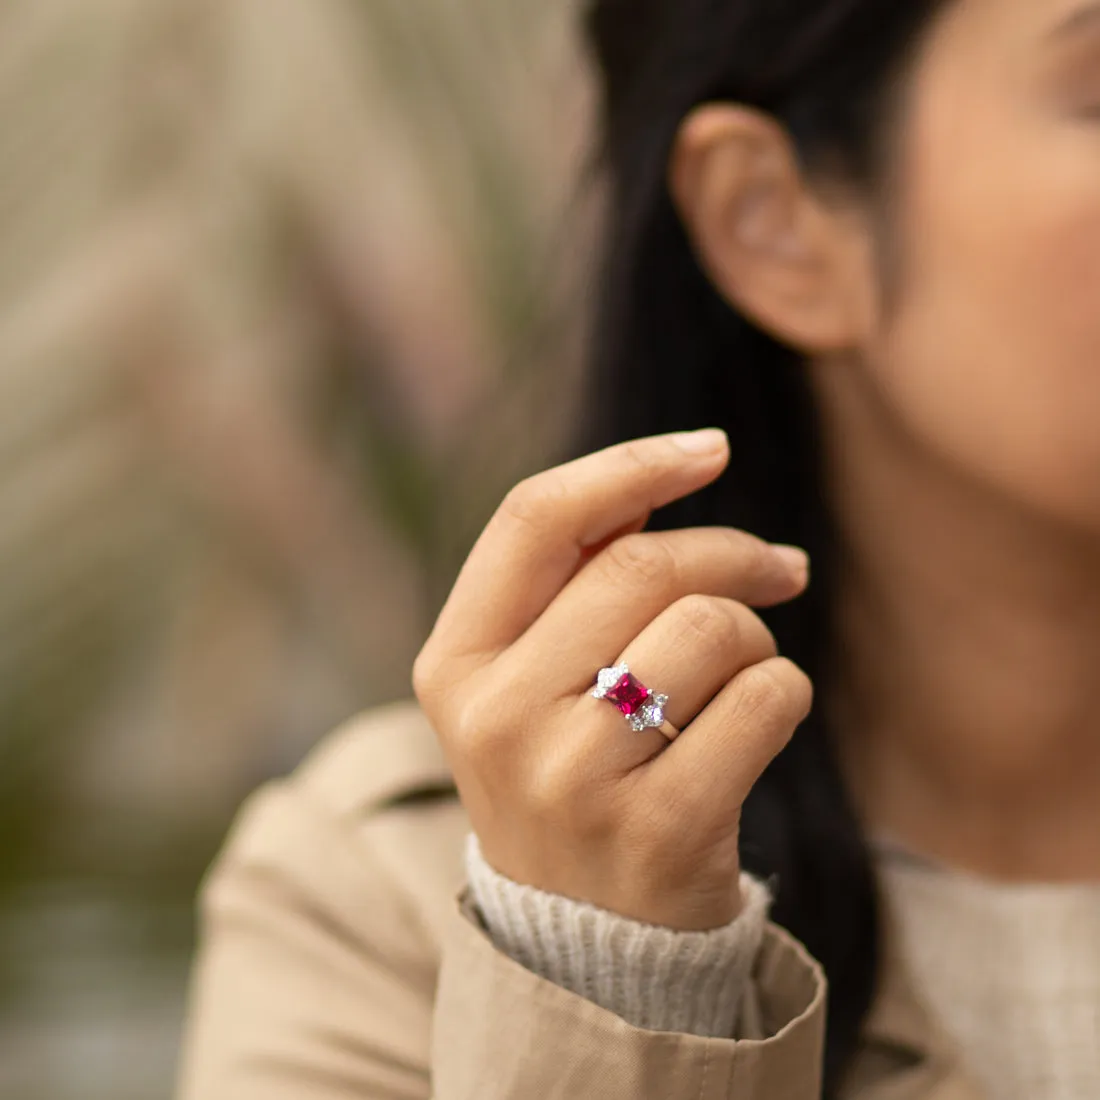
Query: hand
x=562 y=793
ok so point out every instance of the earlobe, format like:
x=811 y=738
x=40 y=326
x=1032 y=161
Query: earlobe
x=769 y=245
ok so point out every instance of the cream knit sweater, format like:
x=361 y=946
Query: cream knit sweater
x=1012 y=971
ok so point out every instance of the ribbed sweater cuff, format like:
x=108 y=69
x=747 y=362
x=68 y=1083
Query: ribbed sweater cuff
x=654 y=978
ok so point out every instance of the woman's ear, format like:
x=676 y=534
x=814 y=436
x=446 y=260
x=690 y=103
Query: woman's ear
x=798 y=268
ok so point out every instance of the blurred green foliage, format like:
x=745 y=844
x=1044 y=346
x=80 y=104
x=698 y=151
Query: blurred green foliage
x=290 y=295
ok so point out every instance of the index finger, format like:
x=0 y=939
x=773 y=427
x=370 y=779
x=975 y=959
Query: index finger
x=538 y=537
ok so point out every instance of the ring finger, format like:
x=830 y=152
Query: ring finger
x=689 y=653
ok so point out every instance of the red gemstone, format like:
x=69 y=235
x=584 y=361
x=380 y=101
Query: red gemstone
x=628 y=695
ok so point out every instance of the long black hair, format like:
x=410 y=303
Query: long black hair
x=668 y=353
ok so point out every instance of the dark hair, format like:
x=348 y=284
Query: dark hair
x=669 y=353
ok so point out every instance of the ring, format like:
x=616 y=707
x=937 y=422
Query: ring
x=643 y=708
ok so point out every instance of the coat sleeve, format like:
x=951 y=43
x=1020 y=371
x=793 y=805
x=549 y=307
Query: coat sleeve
x=502 y=1033
x=318 y=978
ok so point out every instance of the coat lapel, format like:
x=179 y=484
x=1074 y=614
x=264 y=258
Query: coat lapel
x=905 y=1054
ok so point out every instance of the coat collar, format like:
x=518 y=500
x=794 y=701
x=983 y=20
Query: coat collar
x=901 y=1032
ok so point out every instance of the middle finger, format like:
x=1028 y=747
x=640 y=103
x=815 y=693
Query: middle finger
x=622 y=590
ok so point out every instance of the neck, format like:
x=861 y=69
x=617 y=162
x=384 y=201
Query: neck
x=966 y=705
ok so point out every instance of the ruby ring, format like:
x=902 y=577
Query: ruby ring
x=643 y=708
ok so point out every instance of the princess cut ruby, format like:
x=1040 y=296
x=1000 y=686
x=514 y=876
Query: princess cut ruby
x=628 y=695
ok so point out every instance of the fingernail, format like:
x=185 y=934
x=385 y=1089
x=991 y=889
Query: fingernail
x=708 y=441
x=795 y=558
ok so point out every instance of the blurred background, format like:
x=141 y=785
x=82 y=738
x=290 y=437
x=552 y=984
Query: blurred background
x=290 y=294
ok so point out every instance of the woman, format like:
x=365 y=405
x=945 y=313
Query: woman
x=864 y=238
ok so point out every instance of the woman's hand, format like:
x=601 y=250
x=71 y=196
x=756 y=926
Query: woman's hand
x=562 y=793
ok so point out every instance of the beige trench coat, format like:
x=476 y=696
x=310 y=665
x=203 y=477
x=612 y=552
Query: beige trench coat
x=340 y=960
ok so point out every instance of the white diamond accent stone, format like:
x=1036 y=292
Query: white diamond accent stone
x=607 y=679
x=652 y=715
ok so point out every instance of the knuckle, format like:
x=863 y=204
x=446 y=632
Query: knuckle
x=551 y=793
x=754 y=556
x=476 y=726
x=466 y=728
x=642 y=455
x=425 y=673
x=642 y=557
x=757 y=554
x=777 y=684
x=762 y=688
x=706 y=615
x=801 y=689
x=533 y=500
x=739 y=630
x=763 y=640
x=491 y=725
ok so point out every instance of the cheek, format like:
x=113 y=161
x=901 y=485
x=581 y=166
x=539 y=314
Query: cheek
x=993 y=355
x=1064 y=261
